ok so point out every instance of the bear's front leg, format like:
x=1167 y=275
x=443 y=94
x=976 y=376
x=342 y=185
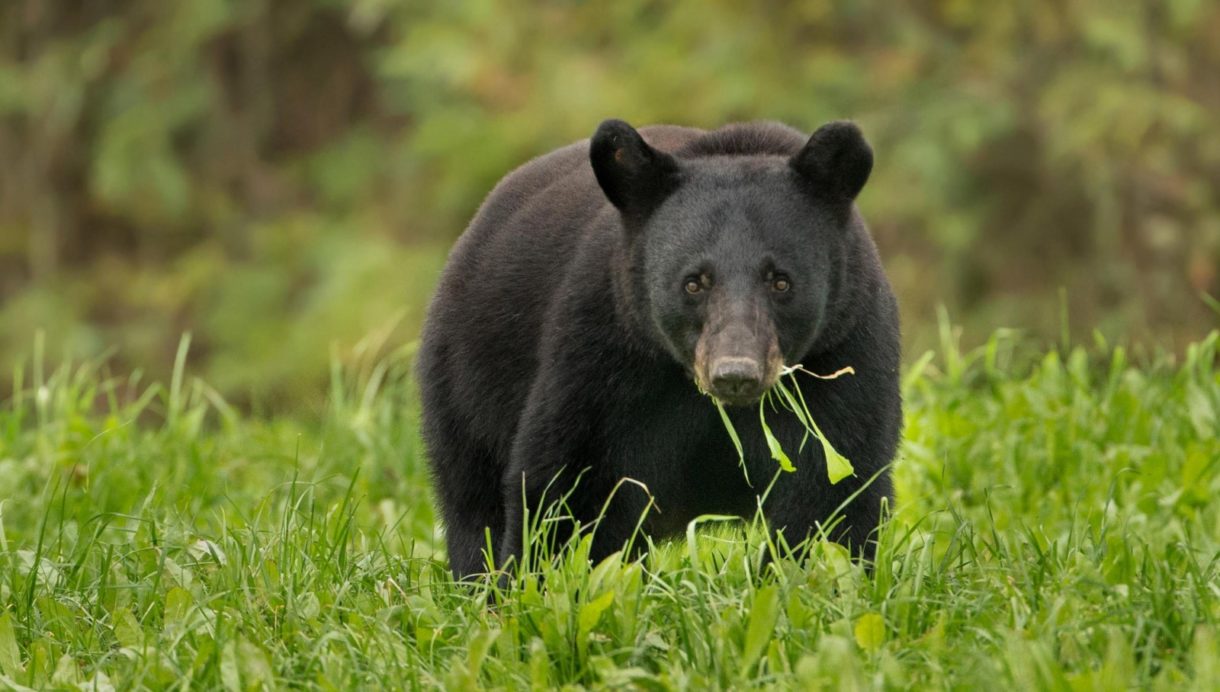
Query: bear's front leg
x=848 y=513
x=560 y=478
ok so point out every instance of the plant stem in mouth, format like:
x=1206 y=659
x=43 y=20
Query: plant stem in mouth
x=838 y=466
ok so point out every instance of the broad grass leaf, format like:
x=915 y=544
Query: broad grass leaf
x=1202 y=415
x=255 y=665
x=764 y=612
x=870 y=631
x=39 y=662
x=10 y=654
x=466 y=674
x=66 y=672
x=230 y=673
x=177 y=605
x=127 y=629
x=591 y=613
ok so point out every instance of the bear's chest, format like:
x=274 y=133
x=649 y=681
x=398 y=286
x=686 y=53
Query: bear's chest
x=672 y=440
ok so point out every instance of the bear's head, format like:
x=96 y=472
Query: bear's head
x=732 y=259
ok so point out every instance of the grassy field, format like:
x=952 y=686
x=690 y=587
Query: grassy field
x=1055 y=529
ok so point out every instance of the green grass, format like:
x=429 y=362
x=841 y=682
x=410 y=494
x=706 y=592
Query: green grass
x=1055 y=529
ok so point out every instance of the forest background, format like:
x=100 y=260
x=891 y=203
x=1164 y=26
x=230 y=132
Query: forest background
x=283 y=178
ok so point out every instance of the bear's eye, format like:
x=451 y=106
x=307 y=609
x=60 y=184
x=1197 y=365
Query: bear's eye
x=780 y=283
x=693 y=285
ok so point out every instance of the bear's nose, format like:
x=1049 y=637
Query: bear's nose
x=736 y=377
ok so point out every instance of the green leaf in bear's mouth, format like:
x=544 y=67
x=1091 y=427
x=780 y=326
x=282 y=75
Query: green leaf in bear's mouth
x=777 y=452
x=838 y=466
x=728 y=425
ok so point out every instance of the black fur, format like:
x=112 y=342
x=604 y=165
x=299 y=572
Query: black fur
x=561 y=341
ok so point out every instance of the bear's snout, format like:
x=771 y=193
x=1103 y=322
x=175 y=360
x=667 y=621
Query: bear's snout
x=737 y=357
x=737 y=379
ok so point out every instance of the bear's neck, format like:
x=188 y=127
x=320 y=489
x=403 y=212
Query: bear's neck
x=855 y=287
x=631 y=296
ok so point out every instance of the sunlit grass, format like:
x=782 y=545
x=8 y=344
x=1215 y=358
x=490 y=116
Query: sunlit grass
x=1055 y=528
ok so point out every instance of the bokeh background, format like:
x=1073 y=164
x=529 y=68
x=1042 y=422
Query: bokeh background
x=282 y=178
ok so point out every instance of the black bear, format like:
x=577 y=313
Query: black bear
x=605 y=289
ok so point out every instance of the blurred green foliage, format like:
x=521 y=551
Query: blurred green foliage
x=278 y=176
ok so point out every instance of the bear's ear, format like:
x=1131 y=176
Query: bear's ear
x=836 y=161
x=635 y=177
